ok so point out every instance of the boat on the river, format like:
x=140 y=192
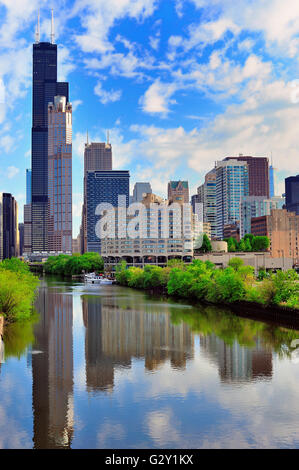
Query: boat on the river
x=93 y=278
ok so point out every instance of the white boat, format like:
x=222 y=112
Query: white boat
x=105 y=281
x=92 y=278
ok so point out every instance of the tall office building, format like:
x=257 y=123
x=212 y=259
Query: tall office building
x=231 y=185
x=9 y=231
x=139 y=190
x=103 y=187
x=258 y=174
x=207 y=197
x=292 y=194
x=178 y=191
x=28 y=186
x=60 y=175
x=97 y=157
x=45 y=88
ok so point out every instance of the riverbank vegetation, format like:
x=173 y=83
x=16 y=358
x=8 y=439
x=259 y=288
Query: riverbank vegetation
x=201 y=281
x=17 y=290
x=76 y=264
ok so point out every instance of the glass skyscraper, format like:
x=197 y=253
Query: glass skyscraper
x=292 y=194
x=232 y=184
x=60 y=175
x=45 y=88
x=97 y=157
x=28 y=186
x=103 y=187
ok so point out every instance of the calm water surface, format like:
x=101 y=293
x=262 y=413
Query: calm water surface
x=109 y=367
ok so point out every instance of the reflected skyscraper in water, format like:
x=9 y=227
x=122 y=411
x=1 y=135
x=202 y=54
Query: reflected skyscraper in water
x=237 y=363
x=52 y=371
x=115 y=334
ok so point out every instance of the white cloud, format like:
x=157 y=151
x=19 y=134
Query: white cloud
x=76 y=103
x=107 y=96
x=98 y=16
x=157 y=98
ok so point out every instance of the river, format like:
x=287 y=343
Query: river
x=111 y=367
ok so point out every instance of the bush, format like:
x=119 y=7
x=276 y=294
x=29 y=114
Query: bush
x=17 y=290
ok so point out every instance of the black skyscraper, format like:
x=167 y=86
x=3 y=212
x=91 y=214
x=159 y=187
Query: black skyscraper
x=292 y=194
x=45 y=87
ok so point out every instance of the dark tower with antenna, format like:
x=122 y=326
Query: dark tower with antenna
x=44 y=88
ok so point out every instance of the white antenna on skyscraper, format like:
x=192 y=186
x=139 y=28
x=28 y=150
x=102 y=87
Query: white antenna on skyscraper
x=37 y=31
x=108 y=137
x=52 y=27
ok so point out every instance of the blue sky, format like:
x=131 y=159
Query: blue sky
x=179 y=83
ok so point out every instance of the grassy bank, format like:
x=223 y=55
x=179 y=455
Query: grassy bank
x=201 y=281
x=17 y=290
x=64 y=265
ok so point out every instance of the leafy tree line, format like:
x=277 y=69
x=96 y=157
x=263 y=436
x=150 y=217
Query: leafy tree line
x=248 y=243
x=201 y=281
x=65 y=265
x=17 y=290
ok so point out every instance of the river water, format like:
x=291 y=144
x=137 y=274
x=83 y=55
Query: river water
x=110 y=367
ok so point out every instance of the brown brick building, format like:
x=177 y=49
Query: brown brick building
x=178 y=191
x=282 y=227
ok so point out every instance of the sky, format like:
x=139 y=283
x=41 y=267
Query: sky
x=180 y=84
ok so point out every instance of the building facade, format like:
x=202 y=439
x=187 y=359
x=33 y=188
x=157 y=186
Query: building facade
x=178 y=191
x=45 y=87
x=256 y=206
x=60 y=175
x=167 y=231
x=9 y=230
x=258 y=174
x=231 y=185
x=139 y=190
x=206 y=194
x=97 y=157
x=28 y=186
x=103 y=187
x=292 y=194
x=282 y=228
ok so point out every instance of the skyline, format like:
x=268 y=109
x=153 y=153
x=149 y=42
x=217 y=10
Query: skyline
x=150 y=72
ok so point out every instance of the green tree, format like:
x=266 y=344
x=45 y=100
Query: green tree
x=206 y=246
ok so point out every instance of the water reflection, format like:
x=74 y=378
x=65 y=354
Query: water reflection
x=237 y=363
x=117 y=333
x=52 y=371
x=150 y=368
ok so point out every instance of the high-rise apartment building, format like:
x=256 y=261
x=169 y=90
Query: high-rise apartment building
x=97 y=157
x=178 y=191
x=231 y=185
x=292 y=194
x=60 y=175
x=258 y=174
x=103 y=187
x=207 y=196
x=9 y=230
x=139 y=190
x=45 y=88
